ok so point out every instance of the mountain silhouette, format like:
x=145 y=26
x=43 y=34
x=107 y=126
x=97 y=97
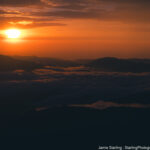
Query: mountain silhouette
x=8 y=63
x=111 y=64
x=47 y=61
x=107 y=64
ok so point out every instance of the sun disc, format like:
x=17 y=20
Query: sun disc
x=13 y=33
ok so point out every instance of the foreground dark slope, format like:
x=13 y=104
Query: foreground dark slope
x=120 y=65
x=83 y=126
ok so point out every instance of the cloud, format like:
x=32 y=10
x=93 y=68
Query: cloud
x=7 y=12
x=104 y=105
x=128 y=11
x=59 y=86
x=110 y=10
x=26 y=22
x=19 y=2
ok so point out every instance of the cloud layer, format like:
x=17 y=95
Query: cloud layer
x=47 y=12
x=59 y=86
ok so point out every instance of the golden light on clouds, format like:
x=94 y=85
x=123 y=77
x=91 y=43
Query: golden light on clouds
x=21 y=23
x=13 y=33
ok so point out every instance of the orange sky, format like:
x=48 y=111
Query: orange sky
x=116 y=29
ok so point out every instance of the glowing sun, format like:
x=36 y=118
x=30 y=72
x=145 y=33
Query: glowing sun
x=13 y=33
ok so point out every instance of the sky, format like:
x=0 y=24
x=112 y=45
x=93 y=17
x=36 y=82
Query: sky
x=75 y=29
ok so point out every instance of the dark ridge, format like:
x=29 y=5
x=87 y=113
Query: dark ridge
x=111 y=64
x=46 y=61
x=8 y=63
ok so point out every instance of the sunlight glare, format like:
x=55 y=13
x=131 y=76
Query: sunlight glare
x=13 y=33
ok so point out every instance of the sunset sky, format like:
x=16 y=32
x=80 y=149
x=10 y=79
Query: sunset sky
x=74 y=29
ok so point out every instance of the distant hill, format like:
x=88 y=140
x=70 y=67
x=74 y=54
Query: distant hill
x=107 y=64
x=8 y=63
x=46 y=61
x=111 y=64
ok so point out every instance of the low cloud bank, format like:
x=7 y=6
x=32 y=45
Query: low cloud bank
x=104 y=105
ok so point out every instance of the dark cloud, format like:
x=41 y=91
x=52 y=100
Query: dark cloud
x=126 y=1
x=116 y=10
x=19 y=2
x=71 y=14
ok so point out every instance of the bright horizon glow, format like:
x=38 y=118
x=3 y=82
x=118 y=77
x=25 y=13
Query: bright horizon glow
x=13 y=33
